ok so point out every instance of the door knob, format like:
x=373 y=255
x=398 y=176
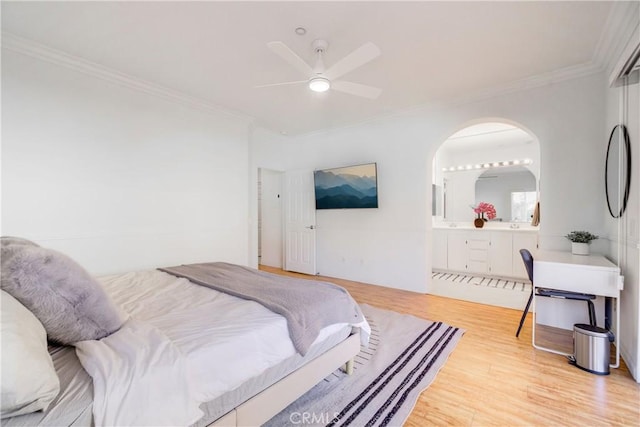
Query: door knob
x=310 y=227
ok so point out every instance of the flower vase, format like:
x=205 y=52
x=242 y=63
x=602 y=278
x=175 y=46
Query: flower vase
x=579 y=248
x=479 y=222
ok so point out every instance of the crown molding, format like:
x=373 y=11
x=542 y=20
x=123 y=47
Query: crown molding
x=39 y=51
x=622 y=21
x=540 y=80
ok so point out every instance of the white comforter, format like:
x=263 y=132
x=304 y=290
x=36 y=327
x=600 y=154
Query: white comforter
x=198 y=344
x=139 y=378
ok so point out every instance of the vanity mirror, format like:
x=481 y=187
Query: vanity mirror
x=512 y=190
x=617 y=175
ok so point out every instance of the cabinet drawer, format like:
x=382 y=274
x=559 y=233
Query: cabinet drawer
x=477 y=267
x=478 y=255
x=478 y=244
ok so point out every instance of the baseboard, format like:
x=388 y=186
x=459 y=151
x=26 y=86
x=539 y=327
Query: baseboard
x=630 y=362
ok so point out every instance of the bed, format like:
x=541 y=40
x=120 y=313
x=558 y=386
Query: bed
x=190 y=352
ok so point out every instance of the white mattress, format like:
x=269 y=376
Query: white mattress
x=226 y=340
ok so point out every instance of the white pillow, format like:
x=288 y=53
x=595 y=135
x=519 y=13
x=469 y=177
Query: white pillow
x=29 y=380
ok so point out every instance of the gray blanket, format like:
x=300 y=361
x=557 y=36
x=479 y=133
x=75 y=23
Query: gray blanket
x=308 y=305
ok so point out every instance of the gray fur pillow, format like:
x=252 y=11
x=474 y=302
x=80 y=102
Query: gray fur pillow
x=71 y=305
x=10 y=240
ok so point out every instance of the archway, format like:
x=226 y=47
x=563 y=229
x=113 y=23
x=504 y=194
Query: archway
x=494 y=161
x=497 y=146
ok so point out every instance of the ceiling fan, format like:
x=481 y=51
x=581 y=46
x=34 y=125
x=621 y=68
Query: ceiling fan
x=321 y=79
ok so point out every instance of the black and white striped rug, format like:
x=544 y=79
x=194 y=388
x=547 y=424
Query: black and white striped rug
x=490 y=282
x=403 y=358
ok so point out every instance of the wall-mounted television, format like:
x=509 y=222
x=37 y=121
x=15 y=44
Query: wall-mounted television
x=351 y=187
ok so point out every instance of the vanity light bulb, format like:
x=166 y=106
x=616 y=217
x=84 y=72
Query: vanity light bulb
x=478 y=166
x=468 y=167
x=516 y=162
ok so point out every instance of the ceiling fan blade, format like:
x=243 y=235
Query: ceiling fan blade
x=356 y=89
x=282 y=84
x=355 y=59
x=283 y=51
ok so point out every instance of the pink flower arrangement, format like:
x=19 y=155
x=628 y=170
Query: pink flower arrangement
x=485 y=208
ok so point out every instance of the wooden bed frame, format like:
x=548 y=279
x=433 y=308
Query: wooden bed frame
x=264 y=405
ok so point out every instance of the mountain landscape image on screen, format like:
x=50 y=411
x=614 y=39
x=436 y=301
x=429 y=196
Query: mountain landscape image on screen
x=346 y=188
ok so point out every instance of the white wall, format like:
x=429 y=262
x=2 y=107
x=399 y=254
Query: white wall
x=391 y=246
x=115 y=178
x=362 y=244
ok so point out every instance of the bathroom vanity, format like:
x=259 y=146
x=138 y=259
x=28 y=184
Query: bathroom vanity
x=492 y=250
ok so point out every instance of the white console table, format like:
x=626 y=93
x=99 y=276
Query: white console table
x=588 y=274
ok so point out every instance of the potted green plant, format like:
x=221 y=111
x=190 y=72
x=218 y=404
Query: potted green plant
x=580 y=241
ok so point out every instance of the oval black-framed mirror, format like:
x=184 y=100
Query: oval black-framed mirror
x=617 y=174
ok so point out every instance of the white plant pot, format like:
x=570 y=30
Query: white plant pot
x=579 y=248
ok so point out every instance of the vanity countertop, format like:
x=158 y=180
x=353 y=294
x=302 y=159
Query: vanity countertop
x=488 y=227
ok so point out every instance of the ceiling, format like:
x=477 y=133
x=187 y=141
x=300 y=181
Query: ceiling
x=217 y=51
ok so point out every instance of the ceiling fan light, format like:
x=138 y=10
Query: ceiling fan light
x=319 y=84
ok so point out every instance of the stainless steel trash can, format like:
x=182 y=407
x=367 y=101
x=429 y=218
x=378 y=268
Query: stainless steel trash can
x=591 y=348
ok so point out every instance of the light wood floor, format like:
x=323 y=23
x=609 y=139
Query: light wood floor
x=495 y=379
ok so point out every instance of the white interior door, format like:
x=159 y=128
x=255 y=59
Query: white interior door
x=300 y=222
